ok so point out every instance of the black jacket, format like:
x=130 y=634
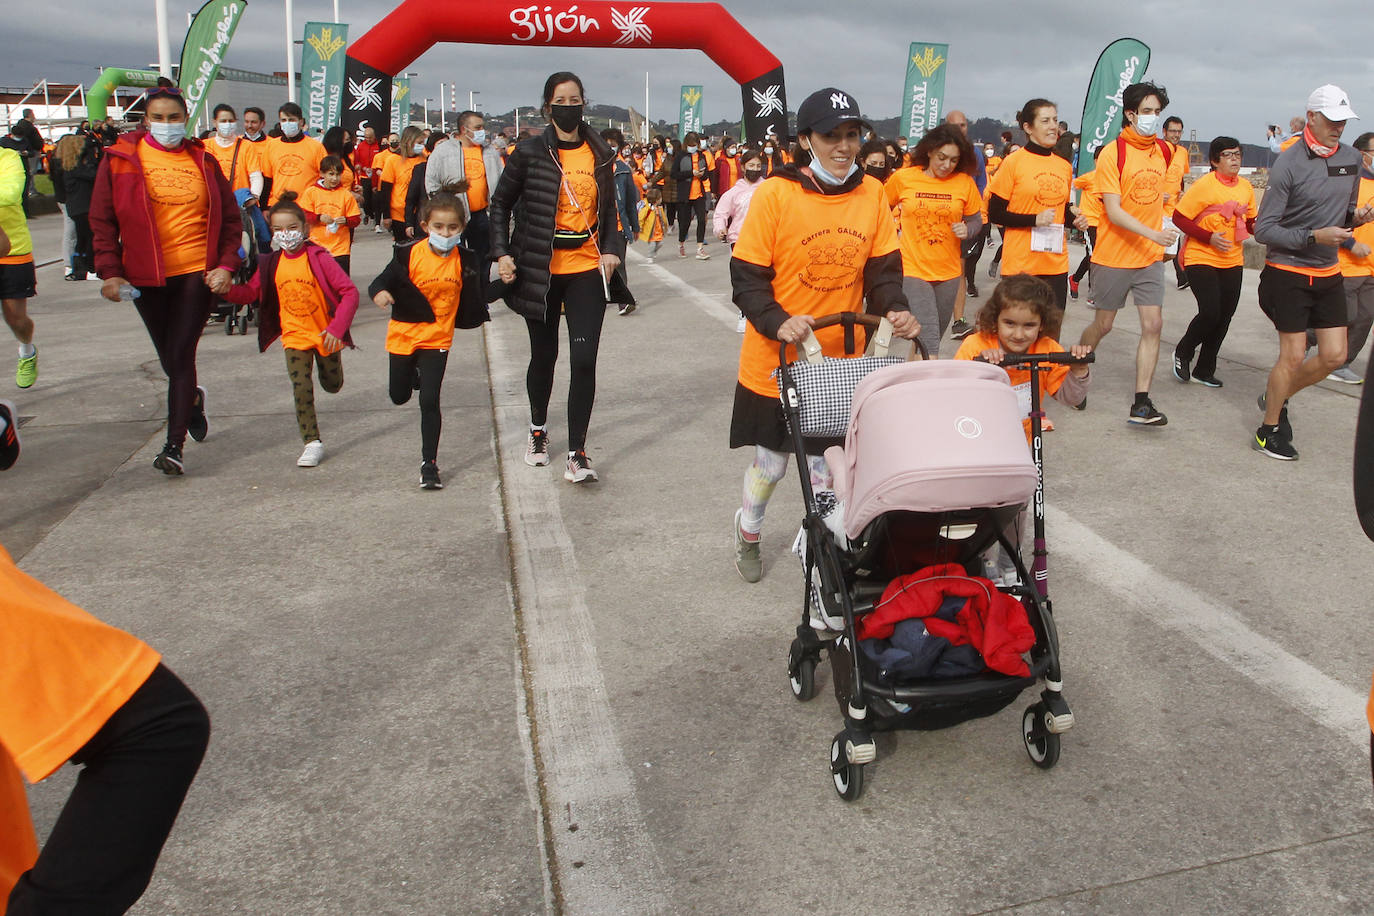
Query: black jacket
x=682 y=174
x=753 y=285
x=528 y=190
x=411 y=305
x=73 y=186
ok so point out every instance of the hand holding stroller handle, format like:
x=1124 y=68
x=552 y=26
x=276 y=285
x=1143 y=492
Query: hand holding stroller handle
x=1061 y=359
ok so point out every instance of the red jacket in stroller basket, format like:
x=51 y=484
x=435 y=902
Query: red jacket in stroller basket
x=991 y=621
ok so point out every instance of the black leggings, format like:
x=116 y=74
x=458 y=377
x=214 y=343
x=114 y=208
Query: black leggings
x=584 y=306
x=973 y=252
x=136 y=772
x=1217 y=291
x=84 y=242
x=422 y=370
x=175 y=316
x=398 y=231
x=1087 y=261
x=685 y=209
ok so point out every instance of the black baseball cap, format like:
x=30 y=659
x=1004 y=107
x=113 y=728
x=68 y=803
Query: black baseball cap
x=826 y=109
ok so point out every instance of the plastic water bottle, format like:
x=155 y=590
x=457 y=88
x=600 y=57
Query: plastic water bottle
x=128 y=293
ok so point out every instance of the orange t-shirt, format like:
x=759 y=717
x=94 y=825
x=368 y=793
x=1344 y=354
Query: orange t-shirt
x=577 y=211
x=62 y=675
x=398 y=170
x=1030 y=183
x=699 y=161
x=302 y=307
x=379 y=163
x=247 y=161
x=1090 y=203
x=1179 y=167
x=1206 y=192
x=1051 y=377
x=328 y=204
x=1141 y=185
x=994 y=163
x=292 y=166
x=181 y=207
x=475 y=171
x=440 y=279
x=929 y=206
x=817 y=246
x=1352 y=266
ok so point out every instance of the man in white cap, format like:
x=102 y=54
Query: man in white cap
x=1308 y=212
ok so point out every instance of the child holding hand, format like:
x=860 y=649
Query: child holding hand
x=332 y=211
x=1013 y=322
x=431 y=287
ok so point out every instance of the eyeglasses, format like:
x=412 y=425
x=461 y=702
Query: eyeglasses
x=1231 y=154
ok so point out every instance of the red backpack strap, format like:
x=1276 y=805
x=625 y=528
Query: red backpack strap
x=1167 y=149
x=1120 y=155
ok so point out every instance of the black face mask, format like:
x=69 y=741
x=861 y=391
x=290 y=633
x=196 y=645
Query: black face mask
x=753 y=174
x=879 y=172
x=395 y=144
x=566 y=117
x=348 y=148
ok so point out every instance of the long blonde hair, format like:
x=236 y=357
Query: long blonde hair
x=69 y=150
x=412 y=135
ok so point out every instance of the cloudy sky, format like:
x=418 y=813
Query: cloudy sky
x=1230 y=68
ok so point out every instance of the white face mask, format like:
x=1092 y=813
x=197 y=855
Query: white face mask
x=168 y=135
x=227 y=129
x=479 y=136
x=443 y=243
x=418 y=148
x=731 y=151
x=1146 y=124
x=290 y=128
x=287 y=239
x=768 y=150
x=691 y=149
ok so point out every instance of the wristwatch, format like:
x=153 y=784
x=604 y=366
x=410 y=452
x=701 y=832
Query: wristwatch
x=1311 y=239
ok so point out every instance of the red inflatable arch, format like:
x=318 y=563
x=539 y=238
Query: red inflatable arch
x=414 y=26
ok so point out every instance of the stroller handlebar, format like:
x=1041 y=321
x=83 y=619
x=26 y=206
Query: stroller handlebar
x=851 y=319
x=1060 y=359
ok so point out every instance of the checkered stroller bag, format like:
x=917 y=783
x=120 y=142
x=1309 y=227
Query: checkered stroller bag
x=825 y=390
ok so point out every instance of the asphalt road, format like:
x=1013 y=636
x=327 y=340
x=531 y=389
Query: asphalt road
x=520 y=696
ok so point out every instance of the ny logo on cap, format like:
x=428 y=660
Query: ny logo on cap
x=839 y=100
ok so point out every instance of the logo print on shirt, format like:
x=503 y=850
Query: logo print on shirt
x=832 y=266
x=1145 y=187
x=170 y=186
x=1050 y=190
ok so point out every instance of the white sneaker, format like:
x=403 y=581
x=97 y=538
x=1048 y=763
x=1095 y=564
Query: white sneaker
x=742 y=324
x=312 y=456
x=379 y=230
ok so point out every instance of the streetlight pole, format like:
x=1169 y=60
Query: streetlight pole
x=427 y=101
x=472 y=99
x=441 y=106
x=164 y=43
x=336 y=10
x=290 y=56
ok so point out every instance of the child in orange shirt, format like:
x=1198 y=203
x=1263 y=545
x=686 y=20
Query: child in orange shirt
x=307 y=299
x=652 y=219
x=331 y=211
x=431 y=287
x=1013 y=321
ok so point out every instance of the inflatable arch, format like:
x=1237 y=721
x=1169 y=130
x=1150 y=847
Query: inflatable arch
x=415 y=25
x=98 y=99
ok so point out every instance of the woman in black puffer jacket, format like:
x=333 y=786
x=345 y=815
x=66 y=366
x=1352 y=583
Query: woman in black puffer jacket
x=559 y=187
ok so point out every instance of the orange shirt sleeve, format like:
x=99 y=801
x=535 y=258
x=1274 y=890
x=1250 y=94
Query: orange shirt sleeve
x=1108 y=175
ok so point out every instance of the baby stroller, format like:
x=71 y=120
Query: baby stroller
x=934 y=474
x=238 y=317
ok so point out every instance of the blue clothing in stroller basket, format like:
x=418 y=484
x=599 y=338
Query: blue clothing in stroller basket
x=913 y=653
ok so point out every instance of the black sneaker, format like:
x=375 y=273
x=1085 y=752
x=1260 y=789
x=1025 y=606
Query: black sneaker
x=429 y=476
x=1184 y=283
x=197 y=426
x=1211 y=381
x=9 y=439
x=1144 y=414
x=972 y=291
x=1081 y=405
x=1181 y=367
x=960 y=329
x=169 y=461
x=1269 y=440
x=1285 y=428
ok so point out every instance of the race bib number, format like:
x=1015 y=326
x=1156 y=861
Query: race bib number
x=1048 y=238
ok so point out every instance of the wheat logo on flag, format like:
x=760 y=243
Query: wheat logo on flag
x=768 y=101
x=692 y=96
x=400 y=93
x=365 y=94
x=325 y=44
x=631 y=25
x=928 y=62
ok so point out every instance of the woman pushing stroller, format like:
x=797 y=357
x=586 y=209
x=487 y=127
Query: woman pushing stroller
x=819 y=240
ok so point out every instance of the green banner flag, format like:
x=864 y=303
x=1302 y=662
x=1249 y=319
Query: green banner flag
x=689 y=111
x=203 y=52
x=400 y=103
x=322 y=74
x=1123 y=62
x=923 y=100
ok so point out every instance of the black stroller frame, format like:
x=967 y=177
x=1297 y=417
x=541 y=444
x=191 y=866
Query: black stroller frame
x=240 y=316
x=870 y=707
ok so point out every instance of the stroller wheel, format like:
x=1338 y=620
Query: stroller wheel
x=229 y=326
x=1041 y=744
x=848 y=777
x=243 y=324
x=801 y=670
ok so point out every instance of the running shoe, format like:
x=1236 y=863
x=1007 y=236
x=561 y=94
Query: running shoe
x=579 y=468
x=1081 y=405
x=379 y=230
x=960 y=329
x=682 y=251
x=312 y=456
x=1345 y=375
x=649 y=259
x=429 y=476
x=26 y=373
x=1271 y=441
x=9 y=439
x=701 y=253
x=169 y=461
x=1073 y=288
x=537 y=449
x=743 y=324
x=1181 y=368
x=1144 y=414
x=972 y=291
x=747 y=558
x=197 y=426
x=1184 y=283
x=625 y=308
x=1211 y=381
x=992 y=270
x=1285 y=427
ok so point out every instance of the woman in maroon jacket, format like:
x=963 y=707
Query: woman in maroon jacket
x=164 y=222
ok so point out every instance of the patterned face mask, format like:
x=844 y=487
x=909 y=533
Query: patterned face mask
x=287 y=239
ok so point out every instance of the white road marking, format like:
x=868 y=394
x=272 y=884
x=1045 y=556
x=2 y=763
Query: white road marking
x=715 y=306
x=1217 y=630
x=605 y=859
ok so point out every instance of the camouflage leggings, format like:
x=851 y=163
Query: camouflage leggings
x=331 y=379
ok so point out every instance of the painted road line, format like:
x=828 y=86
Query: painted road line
x=604 y=859
x=1216 y=629
x=717 y=307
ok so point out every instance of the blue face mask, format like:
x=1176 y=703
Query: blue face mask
x=823 y=175
x=443 y=243
x=691 y=149
x=168 y=135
